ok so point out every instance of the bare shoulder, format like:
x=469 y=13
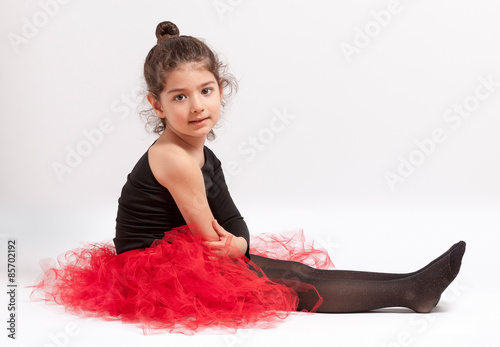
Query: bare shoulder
x=171 y=164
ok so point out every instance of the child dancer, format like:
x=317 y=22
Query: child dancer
x=182 y=257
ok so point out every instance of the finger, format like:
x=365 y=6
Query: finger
x=229 y=240
x=219 y=244
x=214 y=245
x=218 y=229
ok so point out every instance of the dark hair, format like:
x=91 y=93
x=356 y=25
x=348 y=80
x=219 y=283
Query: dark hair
x=171 y=51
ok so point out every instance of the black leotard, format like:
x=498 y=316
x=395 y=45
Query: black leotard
x=146 y=209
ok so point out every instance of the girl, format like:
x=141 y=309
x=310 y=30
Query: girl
x=182 y=258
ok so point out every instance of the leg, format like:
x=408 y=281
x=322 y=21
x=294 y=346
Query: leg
x=309 y=271
x=356 y=291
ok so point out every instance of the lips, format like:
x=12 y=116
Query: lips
x=199 y=121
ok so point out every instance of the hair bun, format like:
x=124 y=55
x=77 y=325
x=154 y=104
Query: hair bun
x=166 y=30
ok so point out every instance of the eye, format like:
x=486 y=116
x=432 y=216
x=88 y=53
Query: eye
x=179 y=97
x=206 y=91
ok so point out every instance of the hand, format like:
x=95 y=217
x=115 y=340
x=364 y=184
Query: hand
x=228 y=244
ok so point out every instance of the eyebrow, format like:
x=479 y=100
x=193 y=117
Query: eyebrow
x=176 y=90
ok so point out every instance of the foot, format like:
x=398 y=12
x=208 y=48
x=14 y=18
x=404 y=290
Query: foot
x=430 y=282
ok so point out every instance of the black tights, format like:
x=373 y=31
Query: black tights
x=357 y=291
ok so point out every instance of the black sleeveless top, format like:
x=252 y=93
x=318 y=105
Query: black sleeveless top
x=146 y=209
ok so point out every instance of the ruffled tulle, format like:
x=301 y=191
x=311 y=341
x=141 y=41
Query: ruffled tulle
x=175 y=285
x=291 y=246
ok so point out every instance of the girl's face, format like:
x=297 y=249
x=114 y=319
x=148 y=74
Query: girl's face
x=190 y=102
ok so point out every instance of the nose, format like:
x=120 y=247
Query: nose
x=196 y=105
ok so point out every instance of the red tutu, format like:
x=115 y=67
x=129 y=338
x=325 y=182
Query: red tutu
x=175 y=284
x=291 y=246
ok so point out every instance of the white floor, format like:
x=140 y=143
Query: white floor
x=377 y=239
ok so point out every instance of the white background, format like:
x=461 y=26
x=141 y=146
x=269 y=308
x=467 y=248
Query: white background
x=356 y=117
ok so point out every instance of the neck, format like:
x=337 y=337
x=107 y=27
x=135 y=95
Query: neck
x=190 y=143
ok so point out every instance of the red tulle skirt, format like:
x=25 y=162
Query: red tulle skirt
x=177 y=285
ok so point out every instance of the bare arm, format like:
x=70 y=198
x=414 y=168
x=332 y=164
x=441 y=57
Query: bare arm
x=181 y=175
x=177 y=171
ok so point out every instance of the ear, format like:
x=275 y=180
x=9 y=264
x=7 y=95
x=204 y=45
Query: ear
x=156 y=105
x=221 y=89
